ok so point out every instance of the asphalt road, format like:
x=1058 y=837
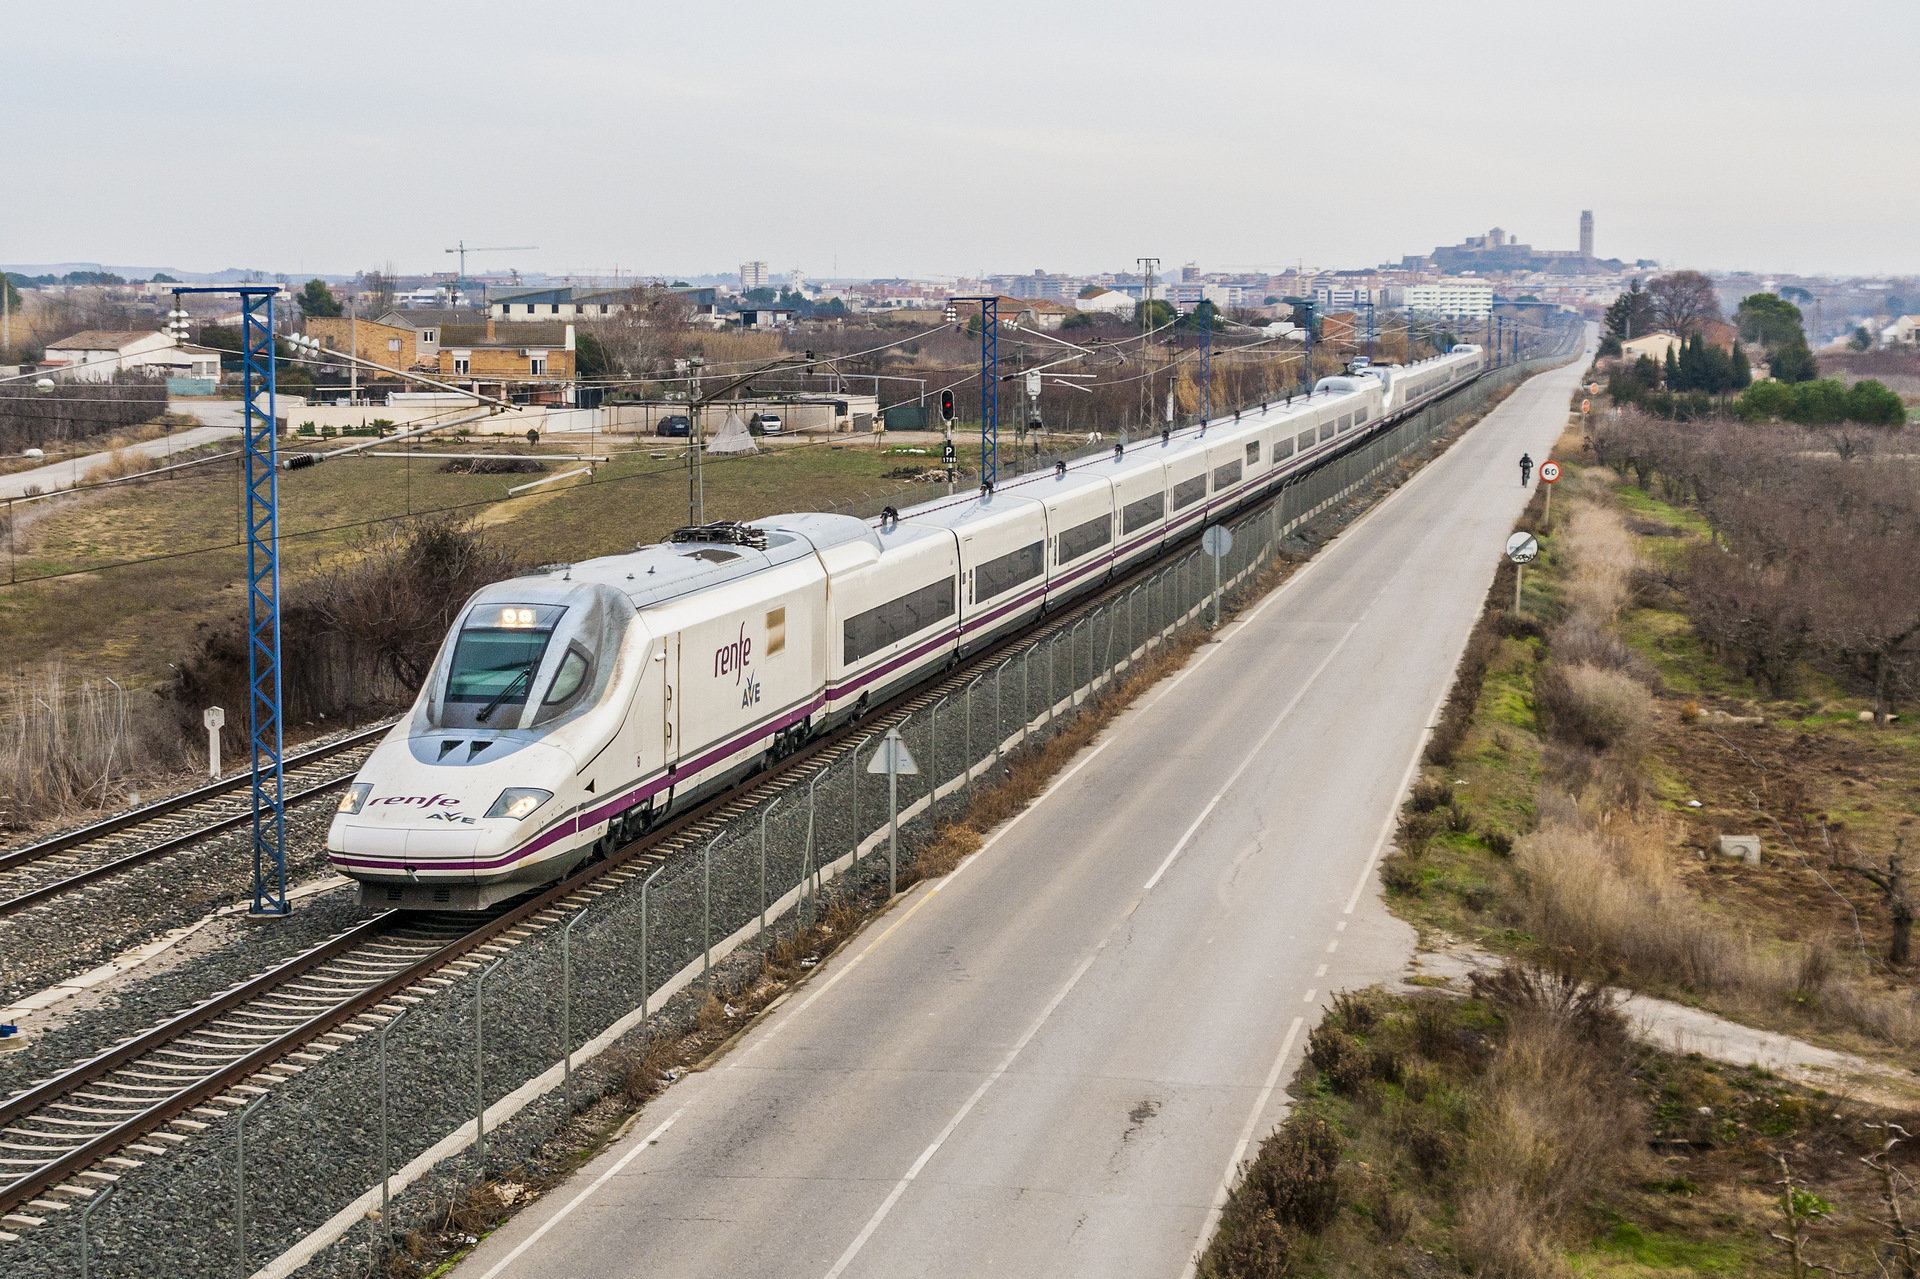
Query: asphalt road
x=1047 y=1063
x=64 y=475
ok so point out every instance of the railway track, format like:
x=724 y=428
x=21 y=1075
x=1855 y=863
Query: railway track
x=65 y=1138
x=38 y=873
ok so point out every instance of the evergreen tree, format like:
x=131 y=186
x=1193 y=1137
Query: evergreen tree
x=316 y=300
x=1793 y=362
x=1742 y=370
x=1672 y=372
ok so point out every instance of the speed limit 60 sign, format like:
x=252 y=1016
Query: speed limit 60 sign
x=1549 y=472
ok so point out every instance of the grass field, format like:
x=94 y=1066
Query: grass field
x=129 y=620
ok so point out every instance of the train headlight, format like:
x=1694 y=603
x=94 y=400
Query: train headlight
x=356 y=797
x=517 y=801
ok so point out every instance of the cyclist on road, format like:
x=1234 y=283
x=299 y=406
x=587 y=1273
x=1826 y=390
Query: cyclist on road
x=1526 y=469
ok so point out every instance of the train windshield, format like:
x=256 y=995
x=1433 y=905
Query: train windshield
x=496 y=658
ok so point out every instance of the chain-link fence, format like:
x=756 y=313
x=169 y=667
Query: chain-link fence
x=420 y=1090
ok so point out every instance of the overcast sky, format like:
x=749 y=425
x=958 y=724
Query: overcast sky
x=921 y=138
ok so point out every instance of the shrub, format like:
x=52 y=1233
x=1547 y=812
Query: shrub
x=1428 y=795
x=359 y=638
x=1592 y=707
x=1297 y=1173
x=1416 y=831
x=1339 y=1058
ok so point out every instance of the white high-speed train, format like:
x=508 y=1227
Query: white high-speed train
x=571 y=708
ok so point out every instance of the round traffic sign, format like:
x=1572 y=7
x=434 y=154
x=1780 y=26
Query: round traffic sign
x=1217 y=540
x=1521 y=547
x=1549 y=472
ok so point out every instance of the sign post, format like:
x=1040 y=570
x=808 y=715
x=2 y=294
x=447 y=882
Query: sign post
x=215 y=719
x=1521 y=548
x=1549 y=476
x=950 y=458
x=893 y=758
x=1216 y=542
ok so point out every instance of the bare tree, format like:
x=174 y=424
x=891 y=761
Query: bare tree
x=1684 y=302
x=1895 y=883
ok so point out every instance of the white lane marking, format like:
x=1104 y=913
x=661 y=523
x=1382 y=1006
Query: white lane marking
x=1406 y=780
x=1321 y=971
x=1333 y=945
x=1252 y=754
x=1340 y=926
x=581 y=1198
x=1308 y=998
x=1240 y=1148
x=900 y=1187
x=774 y=1030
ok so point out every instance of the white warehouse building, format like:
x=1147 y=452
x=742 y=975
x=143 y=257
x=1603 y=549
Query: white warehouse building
x=1451 y=297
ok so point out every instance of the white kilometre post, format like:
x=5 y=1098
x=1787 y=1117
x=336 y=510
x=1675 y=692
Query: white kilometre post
x=215 y=719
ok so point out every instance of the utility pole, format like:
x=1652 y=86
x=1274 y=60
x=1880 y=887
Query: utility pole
x=1205 y=311
x=1147 y=266
x=696 y=485
x=261 y=506
x=353 y=346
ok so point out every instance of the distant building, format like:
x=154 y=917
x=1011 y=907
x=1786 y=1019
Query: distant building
x=96 y=355
x=1185 y=294
x=765 y=317
x=523 y=361
x=1499 y=251
x=1107 y=302
x=560 y=305
x=390 y=345
x=1901 y=331
x=1653 y=345
x=1459 y=298
x=754 y=275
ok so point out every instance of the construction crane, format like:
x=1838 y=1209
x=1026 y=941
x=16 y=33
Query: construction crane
x=463 y=248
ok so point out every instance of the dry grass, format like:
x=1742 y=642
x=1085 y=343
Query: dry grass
x=1602 y=559
x=68 y=743
x=1600 y=894
x=1591 y=706
x=119 y=464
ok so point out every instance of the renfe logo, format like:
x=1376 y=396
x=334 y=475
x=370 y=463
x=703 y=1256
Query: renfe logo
x=736 y=659
x=421 y=801
x=733 y=658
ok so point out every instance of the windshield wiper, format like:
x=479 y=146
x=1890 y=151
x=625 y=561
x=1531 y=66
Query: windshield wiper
x=513 y=685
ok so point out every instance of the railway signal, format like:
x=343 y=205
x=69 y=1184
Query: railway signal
x=946 y=407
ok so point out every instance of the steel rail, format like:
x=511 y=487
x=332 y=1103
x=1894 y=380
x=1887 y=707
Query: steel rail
x=185 y=799
x=657 y=845
x=13 y=905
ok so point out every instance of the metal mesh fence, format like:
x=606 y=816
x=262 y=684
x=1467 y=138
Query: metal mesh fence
x=507 y=1027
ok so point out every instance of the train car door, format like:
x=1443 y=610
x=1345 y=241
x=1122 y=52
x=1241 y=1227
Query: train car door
x=670 y=709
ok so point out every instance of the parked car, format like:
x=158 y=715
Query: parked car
x=766 y=424
x=674 y=424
